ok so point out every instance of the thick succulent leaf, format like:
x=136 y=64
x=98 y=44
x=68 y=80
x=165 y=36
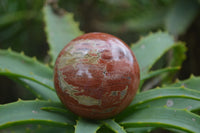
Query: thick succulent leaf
x=153 y=94
x=158 y=72
x=146 y=21
x=175 y=130
x=139 y=129
x=181 y=16
x=149 y=49
x=159 y=117
x=21 y=66
x=13 y=17
x=192 y=83
x=151 y=130
x=178 y=54
x=38 y=128
x=57 y=110
x=143 y=98
x=114 y=126
x=40 y=91
x=28 y=112
x=189 y=104
x=61 y=111
x=60 y=30
x=175 y=58
x=87 y=126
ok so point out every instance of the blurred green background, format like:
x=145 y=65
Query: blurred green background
x=22 y=28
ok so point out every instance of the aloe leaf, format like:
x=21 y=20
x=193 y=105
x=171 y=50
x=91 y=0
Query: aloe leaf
x=142 y=99
x=87 y=126
x=159 y=71
x=29 y=112
x=192 y=83
x=13 y=17
x=159 y=117
x=176 y=58
x=140 y=129
x=178 y=54
x=175 y=130
x=38 y=128
x=40 y=91
x=168 y=92
x=177 y=23
x=60 y=30
x=114 y=126
x=150 y=48
x=21 y=66
x=178 y=103
x=61 y=111
x=146 y=21
x=56 y=109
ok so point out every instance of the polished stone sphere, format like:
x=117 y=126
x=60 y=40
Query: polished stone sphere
x=96 y=75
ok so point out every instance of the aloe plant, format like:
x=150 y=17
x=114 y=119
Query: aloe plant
x=173 y=106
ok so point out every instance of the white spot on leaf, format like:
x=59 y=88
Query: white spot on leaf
x=169 y=103
x=34 y=112
x=142 y=46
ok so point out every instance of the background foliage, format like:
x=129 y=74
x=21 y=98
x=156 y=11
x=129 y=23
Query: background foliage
x=30 y=27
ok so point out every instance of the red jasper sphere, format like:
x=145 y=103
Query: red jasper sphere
x=96 y=75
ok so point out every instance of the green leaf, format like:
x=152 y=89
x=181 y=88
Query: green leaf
x=60 y=30
x=38 y=128
x=192 y=83
x=56 y=109
x=189 y=104
x=178 y=54
x=163 y=117
x=87 y=126
x=21 y=66
x=175 y=130
x=13 y=17
x=61 y=111
x=149 y=49
x=140 y=129
x=40 y=91
x=181 y=15
x=159 y=71
x=29 y=112
x=114 y=126
x=175 y=101
x=143 y=98
x=175 y=58
x=146 y=21
x=153 y=94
